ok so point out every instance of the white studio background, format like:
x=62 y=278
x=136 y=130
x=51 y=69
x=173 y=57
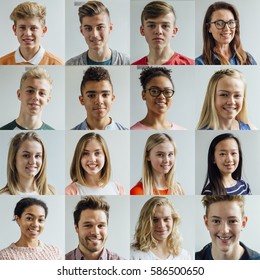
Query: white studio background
x=246 y=9
x=118 y=225
x=250 y=234
x=118 y=143
x=182 y=43
x=185 y=158
x=249 y=141
x=182 y=111
x=55 y=146
x=54 y=38
x=119 y=37
x=251 y=75
x=53 y=113
x=55 y=222
x=187 y=215
x=120 y=109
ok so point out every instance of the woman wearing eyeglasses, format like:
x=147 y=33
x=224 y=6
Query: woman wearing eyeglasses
x=158 y=90
x=221 y=37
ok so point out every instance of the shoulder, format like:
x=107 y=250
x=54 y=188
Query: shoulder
x=177 y=127
x=71 y=189
x=184 y=255
x=137 y=254
x=109 y=255
x=119 y=58
x=10 y=126
x=120 y=126
x=45 y=126
x=204 y=254
x=7 y=253
x=137 y=189
x=8 y=59
x=53 y=251
x=243 y=126
x=81 y=126
x=207 y=190
x=251 y=58
x=51 y=59
x=179 y=59
x=249 y=254
x=199 y=60
x=243 y=187
x=142 y=61
x=71 y=255
x=77 y=60
x=120 y=188
x=138 y=126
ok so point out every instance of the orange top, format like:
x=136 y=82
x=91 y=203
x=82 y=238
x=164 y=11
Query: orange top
x=139 y=190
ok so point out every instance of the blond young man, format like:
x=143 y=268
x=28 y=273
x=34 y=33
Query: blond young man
x=225 y=219
x=29 y=27
x=158 y=26
x=34 y=94
x=96 y=26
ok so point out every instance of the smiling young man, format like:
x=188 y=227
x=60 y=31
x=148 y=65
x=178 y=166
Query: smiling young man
x=34 y=95
x=91 y=224
x=97 y=97
x=225 y=219
x=95 y=26
x=29 y=27
x=158 y=27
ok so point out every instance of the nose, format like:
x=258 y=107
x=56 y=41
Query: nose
x=94 y=32
x=158 y=29
x=226 y=26
x=32 y=160
x=35 y=222
x=95 y=230
x=99 y=99
x=165 y=158
x=28 y=31
x=224 y=228
x=36 y=95
x=231 y=100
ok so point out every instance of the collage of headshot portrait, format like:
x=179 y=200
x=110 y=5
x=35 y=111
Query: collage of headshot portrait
x=129 y=130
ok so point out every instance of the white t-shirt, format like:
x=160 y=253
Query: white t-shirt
x=109 y=189
x=141 y=255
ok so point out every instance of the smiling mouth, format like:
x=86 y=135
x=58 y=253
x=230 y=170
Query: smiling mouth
x=224 y=238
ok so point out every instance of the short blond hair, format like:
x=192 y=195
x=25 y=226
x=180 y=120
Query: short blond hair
x=36 y=73
x=27 y=10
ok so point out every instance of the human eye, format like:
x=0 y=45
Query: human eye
x=215 y=221
x=166 y=26
x=155 y=220
x=91 y=95
x=25 y=155
x=101 y=27
x=233 y=221
x=85 y=153
x=30 y=91
x=42 y=93
x=219 y=23
x=87 y=28
x=168 y=92
x=33 y=28
x=151 y=25
x=38 y=156
x=171 y=154
x=106 y=94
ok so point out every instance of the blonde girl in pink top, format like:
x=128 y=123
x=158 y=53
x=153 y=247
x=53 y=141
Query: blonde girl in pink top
x=90 y=169
x=158 y=91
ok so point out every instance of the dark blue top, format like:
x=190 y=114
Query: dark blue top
x=233 y=60
x=242 y=126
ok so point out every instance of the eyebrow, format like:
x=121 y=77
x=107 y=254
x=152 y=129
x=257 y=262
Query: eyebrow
x=85 y=150
x=95 y=91
x=150 y=21
x=88 y=25
x=32 y=215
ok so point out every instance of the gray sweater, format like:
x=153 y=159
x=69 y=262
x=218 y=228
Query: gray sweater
x=118 y=58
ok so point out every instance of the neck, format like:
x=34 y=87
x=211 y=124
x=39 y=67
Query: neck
x=90 y=255
x=158 y=122
x=227 y=124
x=93 y=180
x=235 y=254
x=23 y=242
x=28 y=53
x=161 y=250
x=224 y=50
x=228 y=181
x=100 y=55
x=26 y=185
x=159 y=56
x=100 y=124
x=29 y=122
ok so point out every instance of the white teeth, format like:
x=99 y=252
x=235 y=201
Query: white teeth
x=224 y=238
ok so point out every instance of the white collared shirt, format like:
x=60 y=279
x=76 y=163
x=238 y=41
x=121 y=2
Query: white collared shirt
x=35 y=60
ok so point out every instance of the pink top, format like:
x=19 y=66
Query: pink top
x=139 y=126
x=42 y=252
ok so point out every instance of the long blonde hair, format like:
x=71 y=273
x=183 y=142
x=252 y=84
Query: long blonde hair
x=12 y=173
x=208 y=117
x=77 y=173
x=143 y=238
x=148 y=179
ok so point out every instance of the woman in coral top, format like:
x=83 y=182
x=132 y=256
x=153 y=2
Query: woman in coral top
x=158 y=168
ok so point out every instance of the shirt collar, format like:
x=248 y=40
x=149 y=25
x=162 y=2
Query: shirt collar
x=79 y=255
x=35 y=60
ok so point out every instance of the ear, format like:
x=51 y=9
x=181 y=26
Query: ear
x=206 y=221
x=81 y=100
x=14 y=28
x=19 y=94
x=17 y=219
x=44 y=30
x=81 y=29
x=244 y=221
x=175 y=31
x=113 y=97
x=143 y=95
x=110 y=27
x=142 y=30
x=76 y=228
x=49 y=99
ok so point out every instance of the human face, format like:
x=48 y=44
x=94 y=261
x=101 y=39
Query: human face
x=159 y=31
x=224 y=223
x=158 y=105
x=93 y=158
x=34 y=95
x=226 y=156
x=97 y=97
x=96 y=31
x=162 y=158
x=225 y=35
x=162 y=223
x=92 y=231
x=229 y=98
x=29 y=159
x=31 y=222
x=29 y=32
